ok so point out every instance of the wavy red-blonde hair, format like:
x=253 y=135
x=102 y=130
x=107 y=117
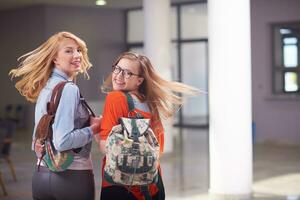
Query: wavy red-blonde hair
x=36 y=66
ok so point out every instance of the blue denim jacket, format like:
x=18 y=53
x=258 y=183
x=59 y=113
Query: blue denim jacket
x=70 y=117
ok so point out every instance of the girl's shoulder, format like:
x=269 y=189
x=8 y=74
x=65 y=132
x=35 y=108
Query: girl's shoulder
x=116 y=96
x=71 y=89
x=71 y=86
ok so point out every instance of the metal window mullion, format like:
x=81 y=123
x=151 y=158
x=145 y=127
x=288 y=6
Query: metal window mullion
x=298 y=57
x=282 y=64
x=179 y=55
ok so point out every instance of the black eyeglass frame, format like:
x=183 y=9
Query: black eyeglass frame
x=126 y=73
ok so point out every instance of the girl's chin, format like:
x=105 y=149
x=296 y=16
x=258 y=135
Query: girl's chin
x=118 y=88
x=77 y=69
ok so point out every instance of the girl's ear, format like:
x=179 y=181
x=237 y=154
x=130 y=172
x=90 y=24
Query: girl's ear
x=140 y=81
x=55 y=60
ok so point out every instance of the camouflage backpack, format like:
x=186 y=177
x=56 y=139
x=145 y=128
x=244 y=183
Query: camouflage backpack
x=132 y=152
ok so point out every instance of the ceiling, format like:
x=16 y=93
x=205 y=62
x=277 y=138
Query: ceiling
x=121 y=4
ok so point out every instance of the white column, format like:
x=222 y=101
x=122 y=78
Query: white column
x=157 y=43
x=230 y=99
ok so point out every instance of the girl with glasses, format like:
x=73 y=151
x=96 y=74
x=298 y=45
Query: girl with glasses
x=153 y=97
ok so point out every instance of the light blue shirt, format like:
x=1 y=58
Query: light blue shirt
x=69 y=118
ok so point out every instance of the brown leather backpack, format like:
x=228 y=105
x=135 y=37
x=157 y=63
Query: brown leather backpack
x=55 y=161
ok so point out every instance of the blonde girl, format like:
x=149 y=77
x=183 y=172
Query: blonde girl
x=60 y=58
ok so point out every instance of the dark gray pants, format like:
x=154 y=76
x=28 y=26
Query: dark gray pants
x=66 y=185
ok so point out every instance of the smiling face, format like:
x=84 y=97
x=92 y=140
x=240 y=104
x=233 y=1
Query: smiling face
x=123 y=82
x=69 y=57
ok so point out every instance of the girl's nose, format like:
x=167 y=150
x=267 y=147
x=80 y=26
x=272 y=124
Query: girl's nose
x=120 y=74
x=77 y=54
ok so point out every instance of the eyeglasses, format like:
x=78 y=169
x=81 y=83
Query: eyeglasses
x=126 y=73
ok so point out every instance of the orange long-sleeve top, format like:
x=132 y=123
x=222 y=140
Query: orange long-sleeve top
x=116 y=106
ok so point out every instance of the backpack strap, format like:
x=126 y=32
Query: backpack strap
x=131 y=107
x=55 y=97
x=130 y=102
x=52 y=107
x=87 y=106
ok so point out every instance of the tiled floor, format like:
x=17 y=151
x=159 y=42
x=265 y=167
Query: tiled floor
x=185 y=173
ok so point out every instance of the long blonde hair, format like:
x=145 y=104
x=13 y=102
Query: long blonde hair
x=36 y=66
x=161 y=95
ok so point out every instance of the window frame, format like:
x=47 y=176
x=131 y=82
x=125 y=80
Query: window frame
x=278 y=85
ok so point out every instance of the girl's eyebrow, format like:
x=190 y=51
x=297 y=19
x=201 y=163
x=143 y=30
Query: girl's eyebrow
x=124 y=68
x=72 y=47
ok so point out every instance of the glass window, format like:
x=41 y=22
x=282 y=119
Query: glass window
x=290 y=51
x=174 y=23
x=135 y=28
x=286 y=58
x=174 y=61
x=290 y=40
x=290 y=82
x=290 y=55
x=194 y=21
x=174 y=71
x=285 y=31
x=188 y=54
x=194 y=72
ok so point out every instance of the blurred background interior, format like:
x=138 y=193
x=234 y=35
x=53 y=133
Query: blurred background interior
x=118 y=26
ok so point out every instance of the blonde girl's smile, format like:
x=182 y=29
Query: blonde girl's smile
x=76 y=63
